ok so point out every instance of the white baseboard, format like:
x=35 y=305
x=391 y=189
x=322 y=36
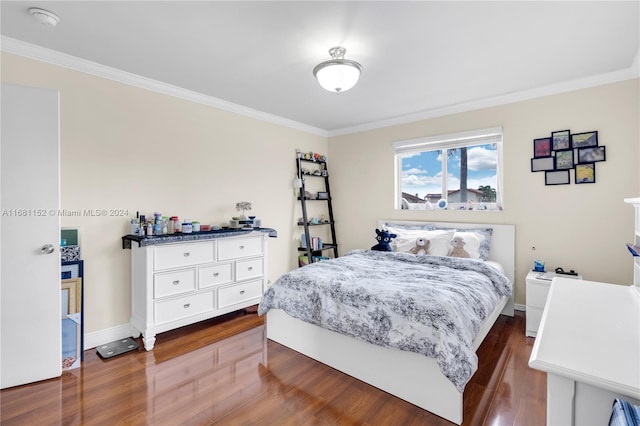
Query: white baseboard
x=106 y=335
x=519 y=307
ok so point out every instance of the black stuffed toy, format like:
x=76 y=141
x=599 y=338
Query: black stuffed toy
x=384 y=240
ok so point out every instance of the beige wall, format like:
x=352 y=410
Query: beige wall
x=582 y=227
x=128 y=148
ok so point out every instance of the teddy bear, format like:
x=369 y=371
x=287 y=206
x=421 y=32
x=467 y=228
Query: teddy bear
x=384 y=240
x=421 y=247
x=458 y=248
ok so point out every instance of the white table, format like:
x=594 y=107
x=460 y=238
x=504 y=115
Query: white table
x=589 y=344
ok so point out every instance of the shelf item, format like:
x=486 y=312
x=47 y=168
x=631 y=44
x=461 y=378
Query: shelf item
x=180 y=283
x=314 y=248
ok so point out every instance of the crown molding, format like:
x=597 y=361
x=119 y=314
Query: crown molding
x=53 y=57
x=553 y=89
x=18 y=47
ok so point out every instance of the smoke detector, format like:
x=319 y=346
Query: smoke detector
x=45 y=17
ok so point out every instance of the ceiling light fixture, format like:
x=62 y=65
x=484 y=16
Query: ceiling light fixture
x=337 y=74
x=45 y=17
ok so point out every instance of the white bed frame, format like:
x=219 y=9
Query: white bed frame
x=407 y=375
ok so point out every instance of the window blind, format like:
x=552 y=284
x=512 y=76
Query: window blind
x=453 y=140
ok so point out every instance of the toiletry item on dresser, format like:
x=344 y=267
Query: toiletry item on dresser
x=195 y=225
x=135 y=227
x=187 y=227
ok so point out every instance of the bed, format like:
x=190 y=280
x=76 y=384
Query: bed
x=407 y=374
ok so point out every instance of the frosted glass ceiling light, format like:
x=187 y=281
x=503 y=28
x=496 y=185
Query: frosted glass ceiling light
x=337 y=74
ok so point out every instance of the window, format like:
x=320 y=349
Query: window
x=464 y=169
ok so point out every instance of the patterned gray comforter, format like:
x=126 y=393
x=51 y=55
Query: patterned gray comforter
x=426 y=304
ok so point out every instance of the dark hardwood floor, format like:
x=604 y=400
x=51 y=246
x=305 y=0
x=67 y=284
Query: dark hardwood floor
x=224 y=371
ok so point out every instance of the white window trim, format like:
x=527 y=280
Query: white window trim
x=451 y=140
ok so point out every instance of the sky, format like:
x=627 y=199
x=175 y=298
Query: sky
x=422 y=172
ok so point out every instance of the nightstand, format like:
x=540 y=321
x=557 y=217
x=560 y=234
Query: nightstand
x=538 y=285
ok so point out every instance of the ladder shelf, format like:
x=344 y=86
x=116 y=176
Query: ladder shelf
x=313 y=247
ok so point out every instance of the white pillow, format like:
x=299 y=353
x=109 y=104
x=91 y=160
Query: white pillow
x=484 y=235
x=464 y=243
x=439 y=241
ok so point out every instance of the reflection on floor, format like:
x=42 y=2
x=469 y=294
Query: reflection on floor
x=223 y=371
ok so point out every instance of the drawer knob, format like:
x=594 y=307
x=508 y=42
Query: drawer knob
x=241 y=247
x=241 y=291
x=176 y=282
x=215 y=274
x=186 y=305
x=250 y=268
x=186 y=254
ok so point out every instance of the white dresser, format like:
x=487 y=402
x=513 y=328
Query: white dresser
x=180 y=283
x=538 y=284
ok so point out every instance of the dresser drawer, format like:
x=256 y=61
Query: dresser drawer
x=250 y=268
x=214 y=275
x=176 y=256
x=176 y=282
x=238 y=293
x=233 y=248
x=537 y=294
x=182 y=307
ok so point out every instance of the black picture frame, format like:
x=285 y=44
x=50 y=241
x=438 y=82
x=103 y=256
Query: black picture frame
x=557 y=177
x=585 y=139
x=564 y=159
x=561 y=140
x=562 y=151
x=542 y=164
x=541 y=147
x=585 y=173
x=591 y=155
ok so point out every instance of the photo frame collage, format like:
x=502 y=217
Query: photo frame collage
x=564 y=151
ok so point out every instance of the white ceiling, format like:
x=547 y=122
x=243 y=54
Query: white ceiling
x=420 y=58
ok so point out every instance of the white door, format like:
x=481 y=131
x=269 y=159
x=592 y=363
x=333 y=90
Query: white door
x=30 y=328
